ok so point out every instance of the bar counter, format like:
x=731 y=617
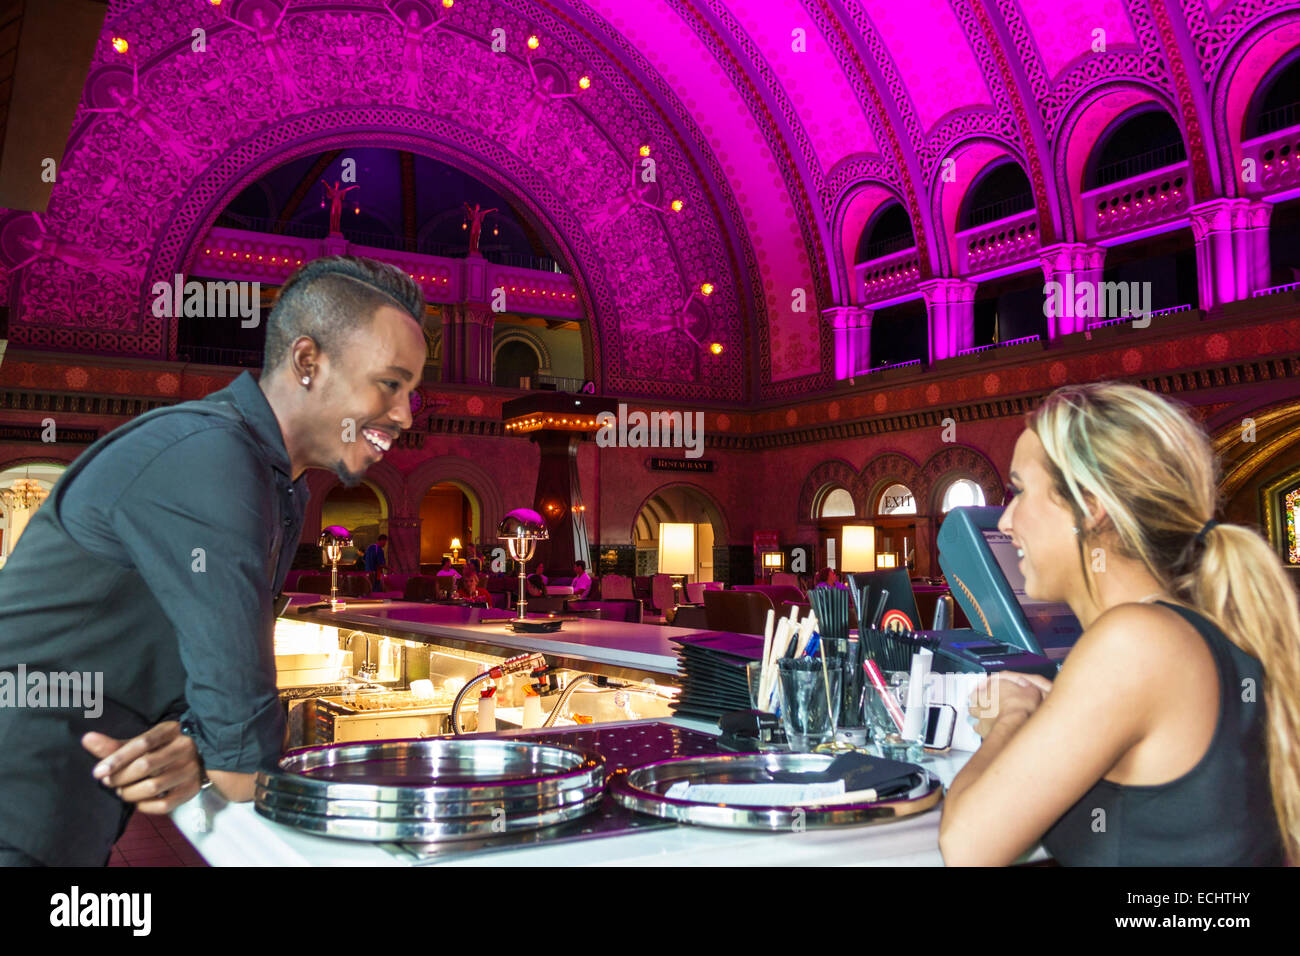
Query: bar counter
x=229 y=834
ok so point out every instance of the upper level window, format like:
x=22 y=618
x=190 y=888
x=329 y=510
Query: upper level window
x=1277 y=103
x=897 y=500
x=1000 y=193
x=962 y=493
x=887 y=232
x=838 y=504
x=1135 y=145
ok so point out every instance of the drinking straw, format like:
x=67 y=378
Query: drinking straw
x=878 y=681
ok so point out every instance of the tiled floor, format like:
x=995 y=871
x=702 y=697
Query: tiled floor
x=153 y=841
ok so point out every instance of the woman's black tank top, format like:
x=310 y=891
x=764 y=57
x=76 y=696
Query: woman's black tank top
x=1219 y=813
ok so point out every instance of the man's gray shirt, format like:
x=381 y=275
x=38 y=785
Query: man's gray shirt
x=155 y=562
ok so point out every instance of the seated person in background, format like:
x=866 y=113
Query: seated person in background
x=581 y=579
x=1149 y=726
x=535 y=585
x=475 y=565
x=447 y=571
x=540 y=573
x=469 y=588
x=827 y=577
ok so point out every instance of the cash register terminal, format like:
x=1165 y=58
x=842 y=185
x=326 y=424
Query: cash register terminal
x=1009 y=629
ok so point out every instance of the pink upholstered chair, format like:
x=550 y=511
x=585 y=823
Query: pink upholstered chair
x=695 y=590
x=661 y=591
x=615 y=587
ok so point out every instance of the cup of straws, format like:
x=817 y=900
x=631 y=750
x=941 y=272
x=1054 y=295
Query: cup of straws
x=795 y=680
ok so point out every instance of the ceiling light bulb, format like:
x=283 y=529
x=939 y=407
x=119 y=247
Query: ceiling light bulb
x=716 y=348
x=120 y=45
x=706 y=288
x=584 y=82
x=534 y=42
x=677 y=205
x=645 y=150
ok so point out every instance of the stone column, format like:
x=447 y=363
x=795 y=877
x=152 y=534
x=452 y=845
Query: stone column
x=1070 y=264
x=453 y=326
x=950 y=308
x=852 y=326
x=1231 y=249
x=404 y=544
x=478 y=326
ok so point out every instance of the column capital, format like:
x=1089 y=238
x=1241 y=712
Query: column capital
x=848 y=316
x=1225 y=215
x=947 y=291
x=1069 y=256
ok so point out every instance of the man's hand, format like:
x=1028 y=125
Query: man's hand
x=158 y=770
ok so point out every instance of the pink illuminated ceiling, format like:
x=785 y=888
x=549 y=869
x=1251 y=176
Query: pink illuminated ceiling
x=778 y=123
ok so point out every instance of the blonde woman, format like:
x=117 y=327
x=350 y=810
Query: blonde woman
x=1170 y=737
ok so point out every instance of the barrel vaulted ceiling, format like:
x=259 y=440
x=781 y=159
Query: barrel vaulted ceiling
x=780 y=124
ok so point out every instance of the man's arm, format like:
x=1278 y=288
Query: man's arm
x=196 y=526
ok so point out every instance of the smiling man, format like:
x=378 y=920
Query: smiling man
x=158 y=558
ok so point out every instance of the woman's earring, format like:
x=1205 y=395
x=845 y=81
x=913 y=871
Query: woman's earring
x=306 y=380
x=1075 y=530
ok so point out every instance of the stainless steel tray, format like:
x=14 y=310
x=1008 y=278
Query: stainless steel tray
x=416 y=810
x=424 y=790
x=644 y=789
x=428 y=831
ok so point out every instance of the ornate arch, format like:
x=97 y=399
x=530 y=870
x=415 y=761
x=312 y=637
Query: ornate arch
x=958 y=461
x=143 y=187
x=882 y=471
x=462 y=471
x=531 y=339
x=1246 y=64
x=1083 y=123
x=948 y=198
x=723 y=537
x=836 y=472
x=857 y=205
x=383 y=479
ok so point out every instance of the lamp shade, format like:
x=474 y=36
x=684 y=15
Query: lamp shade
x=676 y=548
x=523 y=523
x=336 y=534
x=455 y=543
x=859 y=548
x=886 y=559
x=773 y=560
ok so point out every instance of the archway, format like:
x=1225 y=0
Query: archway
x=362 y=509
x=685 y=504
x=449 y=511
x=14 y=515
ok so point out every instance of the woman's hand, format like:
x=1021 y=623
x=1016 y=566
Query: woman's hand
x=1007 y=694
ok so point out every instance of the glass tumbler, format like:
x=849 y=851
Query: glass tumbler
x=810 y=702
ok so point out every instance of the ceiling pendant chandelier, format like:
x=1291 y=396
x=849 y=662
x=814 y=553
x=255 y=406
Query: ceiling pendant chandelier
x=25 y=493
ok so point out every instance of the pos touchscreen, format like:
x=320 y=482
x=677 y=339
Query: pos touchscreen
x=982 y=569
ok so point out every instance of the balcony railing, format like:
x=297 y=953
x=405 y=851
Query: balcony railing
x=1142 y=163
x=1280 y=118
x=1002 y=209
x=885 y=368
x=1155 y=313
x=998 y=345
x=1277 y=161
x=887 y=247
x=998 y=243
x=884 y=278
x=1275 y=289
x=382 y=240
x=1137 y=203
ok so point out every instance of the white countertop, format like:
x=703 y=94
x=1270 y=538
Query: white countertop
x=643 y=646
x=236 y=835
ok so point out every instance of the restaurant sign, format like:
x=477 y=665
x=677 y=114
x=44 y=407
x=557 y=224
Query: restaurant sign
x=680 y=464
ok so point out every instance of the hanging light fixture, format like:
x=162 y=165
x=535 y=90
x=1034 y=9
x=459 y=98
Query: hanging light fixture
x=25 y=493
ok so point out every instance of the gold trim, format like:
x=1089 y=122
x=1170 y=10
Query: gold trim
x=1271 y=525
x=1242 y=471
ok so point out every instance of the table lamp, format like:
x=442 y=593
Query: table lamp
x=455 y=549
x=773 y=561
x=332 y=541
x=676 y=551
x=521 y=529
